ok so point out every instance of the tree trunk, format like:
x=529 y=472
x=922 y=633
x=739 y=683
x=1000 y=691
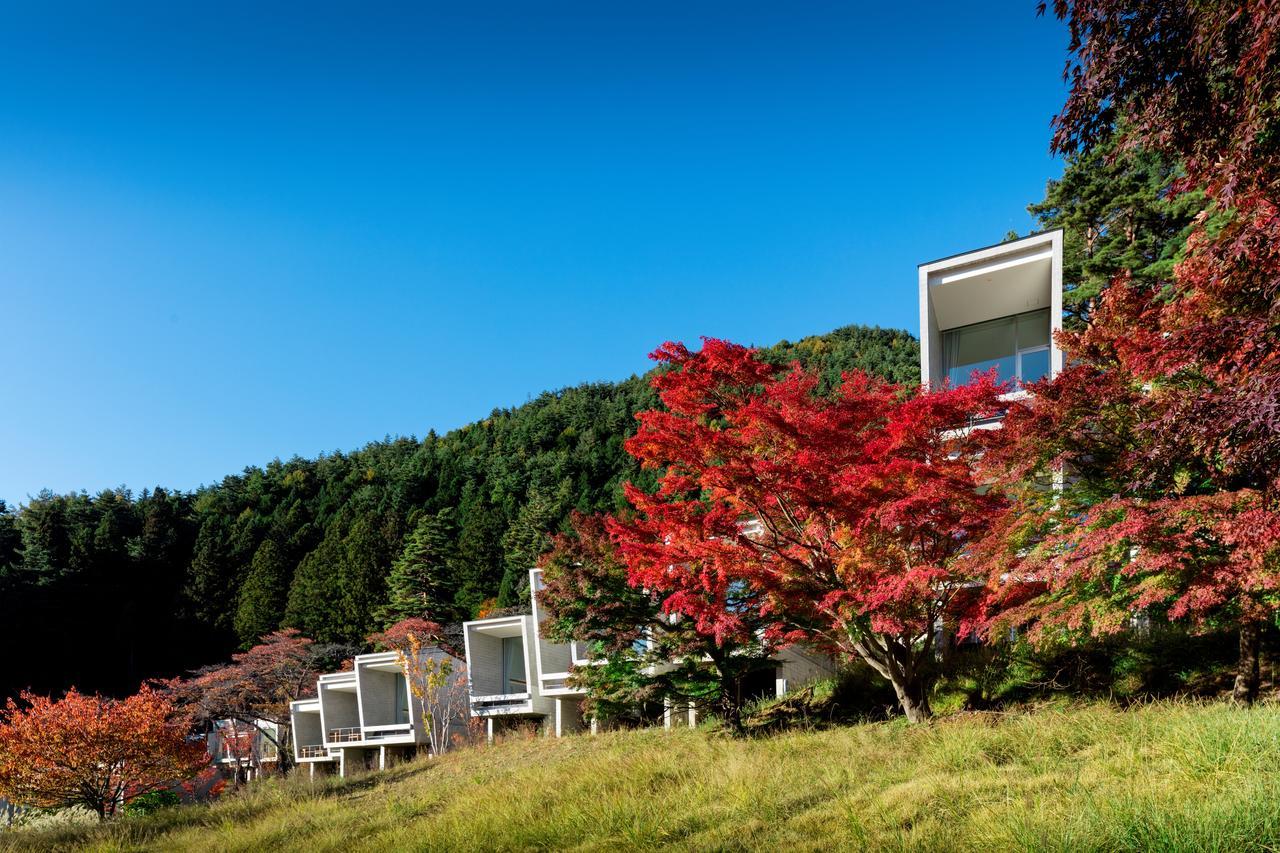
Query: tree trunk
x=1248 y=668
x=731 y=706
x=894 y=660
x=913 y=697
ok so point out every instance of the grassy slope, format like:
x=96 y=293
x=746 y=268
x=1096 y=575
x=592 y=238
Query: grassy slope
x=1165 y=776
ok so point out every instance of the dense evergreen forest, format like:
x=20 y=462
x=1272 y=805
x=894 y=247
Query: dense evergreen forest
x=101 y=591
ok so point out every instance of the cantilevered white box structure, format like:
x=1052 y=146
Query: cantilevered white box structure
x=502 y=675
x=516 y=673
x=554 y=662
x=368 y=716
x=993 y=308
x=309 y=748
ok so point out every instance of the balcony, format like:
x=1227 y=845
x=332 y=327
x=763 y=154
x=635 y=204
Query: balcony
x=500 y=703
x=350 y=734
x=1015 y=348
x=398 y=730
x=314 y=751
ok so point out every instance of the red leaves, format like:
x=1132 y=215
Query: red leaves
x=257 y=684
x=400 y=636
x=1207 y=559
x=93 y=751
x=1167 y=420
x=843 y=513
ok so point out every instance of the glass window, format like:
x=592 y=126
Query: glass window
x=513 y=678
x=402 y=699
x=1033 y=329
x=1016 y=347
x=980 y=348
x=1035 y=365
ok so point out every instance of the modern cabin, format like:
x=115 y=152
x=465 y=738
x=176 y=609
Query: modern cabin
x=368 y=717
x=993 y=309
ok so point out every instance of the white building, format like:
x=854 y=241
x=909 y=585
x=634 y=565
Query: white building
x=367 y=717
x=503 y=678
x=308 y=736
x=243 y=749
x=996 y=307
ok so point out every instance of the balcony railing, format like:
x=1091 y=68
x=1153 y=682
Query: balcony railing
x=313 y=752
x=499 y=702
x=346 y=735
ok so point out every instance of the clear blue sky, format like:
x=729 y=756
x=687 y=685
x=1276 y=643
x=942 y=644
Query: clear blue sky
x=240 y=233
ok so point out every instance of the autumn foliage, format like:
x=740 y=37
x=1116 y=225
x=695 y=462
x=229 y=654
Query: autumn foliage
x=847 y=515
x=644 y=652
x=1165 y=426
x=258 y=684
x=91 y=751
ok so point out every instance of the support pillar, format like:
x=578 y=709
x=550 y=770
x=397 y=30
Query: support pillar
x=382 y=758
x=488 y=730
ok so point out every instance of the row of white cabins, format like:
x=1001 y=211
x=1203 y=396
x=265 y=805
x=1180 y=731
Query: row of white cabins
x=995 y=307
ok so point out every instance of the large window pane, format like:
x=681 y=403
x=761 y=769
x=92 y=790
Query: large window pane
x=980 y=348
x=402 y=700
x=1033 y=329
x=513 y=666
x=984 y=342
x=1035 y=365
x=962 y=374
x=997 y=344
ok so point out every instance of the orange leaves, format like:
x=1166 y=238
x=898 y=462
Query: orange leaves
x=93 y=751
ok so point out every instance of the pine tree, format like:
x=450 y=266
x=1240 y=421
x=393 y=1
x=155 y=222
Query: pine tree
x=527 y=539
x=1117 y=212
x=423 y=580
x=261 y=600
x=313 y=593
x=479 y=554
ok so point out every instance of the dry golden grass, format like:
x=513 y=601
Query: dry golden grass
x=1167 y=776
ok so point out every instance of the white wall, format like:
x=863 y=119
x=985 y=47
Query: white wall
x=306 y=730
x=484 y=654
x=339 y=709
x=377 y=696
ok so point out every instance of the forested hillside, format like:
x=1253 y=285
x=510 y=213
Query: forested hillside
x=101 y=591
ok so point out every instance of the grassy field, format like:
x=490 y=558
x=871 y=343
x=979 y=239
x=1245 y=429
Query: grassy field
x=1167 y=776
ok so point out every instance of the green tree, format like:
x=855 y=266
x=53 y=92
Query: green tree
x=422 y=582
x=527 y=539
x=262 y=595
x=313 y=593
x=479 y=554
x=1118 y=213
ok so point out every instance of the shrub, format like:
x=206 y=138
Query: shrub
x=152 y=801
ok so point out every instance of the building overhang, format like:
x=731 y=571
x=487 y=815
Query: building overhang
x=986 y=284
x=1006 y=284
x=340 y=686
x=509 y=626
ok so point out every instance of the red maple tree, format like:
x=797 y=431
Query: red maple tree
x=256 y=686
x=91 y=751
x=1165 y=425
x=847 y=513
x=641 y=654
